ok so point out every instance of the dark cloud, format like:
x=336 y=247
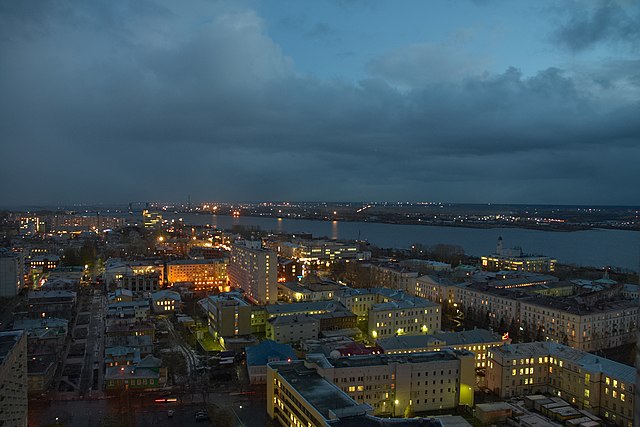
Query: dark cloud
x=166 y=102
x=590 y=23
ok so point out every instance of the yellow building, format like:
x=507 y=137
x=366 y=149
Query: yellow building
x=599 y=385
x=205 y=274
x=392 y=383
x=316 y=392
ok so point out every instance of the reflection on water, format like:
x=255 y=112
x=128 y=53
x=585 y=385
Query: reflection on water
x=597 y=248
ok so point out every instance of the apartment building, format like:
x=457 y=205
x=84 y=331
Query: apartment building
x=434 y=289
x=587 y=327
x=13 y=378
x=391 y=383
x=298 y=395
x=477 y=341
x=601 y=386
x=205 y=274
x=254 y=270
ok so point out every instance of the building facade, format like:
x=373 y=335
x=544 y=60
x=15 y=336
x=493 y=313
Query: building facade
x=255 y=270
x=601 y=386
x=13 y=378
x=205 y=274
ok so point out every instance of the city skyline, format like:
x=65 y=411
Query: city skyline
x=478 y=102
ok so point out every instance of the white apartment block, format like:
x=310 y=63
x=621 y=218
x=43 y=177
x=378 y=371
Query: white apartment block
x=408 y=317
x=255 y=270
x=13 y=378
x=422 y=381
x=599 y=385
x=584 y=327
x=433 y=289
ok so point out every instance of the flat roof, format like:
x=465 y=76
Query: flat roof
x=320 y=393
x=385 y=359
x=8 y=339
x=587 y=361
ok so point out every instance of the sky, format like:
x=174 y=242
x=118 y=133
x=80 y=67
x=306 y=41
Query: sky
x=474 y=101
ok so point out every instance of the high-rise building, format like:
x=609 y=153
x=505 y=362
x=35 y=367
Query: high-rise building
x=9 y=274
x=255 y=270
x=13 y=378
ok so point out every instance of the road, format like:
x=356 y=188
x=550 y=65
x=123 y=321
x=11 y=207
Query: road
x=94 y=350
x=189 y=354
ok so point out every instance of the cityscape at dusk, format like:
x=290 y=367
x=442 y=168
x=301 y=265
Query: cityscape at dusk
x=338 y=213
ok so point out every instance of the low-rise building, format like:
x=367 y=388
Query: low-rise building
x=266 y=352
x=598 y=385
x=148 y=374
x=137 y=310
x=59 y=304
x=166 y=301
x=41 y=370
x=293 y=328
x=515 y=259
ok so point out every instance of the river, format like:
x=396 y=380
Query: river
x=596 y=248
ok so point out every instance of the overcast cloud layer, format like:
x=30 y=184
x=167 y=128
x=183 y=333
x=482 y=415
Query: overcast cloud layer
x=106 y=101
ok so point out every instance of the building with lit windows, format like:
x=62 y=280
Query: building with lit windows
x=477 y=341
x=255 y=270
x=391 y=383
x=42 y=263
x=298 y=395
x=229 y=315
x=166 y=301
x=116 y=270
x=318 y=251
x=13 y=378
x=601 y=386
x=434 y=289
x=515 y=259
x=317 y=291
x=205 y=274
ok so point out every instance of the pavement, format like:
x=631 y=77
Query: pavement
x=94 y=350
x=141 y=411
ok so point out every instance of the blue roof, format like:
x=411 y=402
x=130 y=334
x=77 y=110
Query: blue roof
x=269 y=351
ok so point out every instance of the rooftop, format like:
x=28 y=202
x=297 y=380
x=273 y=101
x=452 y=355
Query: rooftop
x=269 y=351
x=299 y=307
x=587 y=361
x=320 y=393
x=384 y=359
x=8 y=339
